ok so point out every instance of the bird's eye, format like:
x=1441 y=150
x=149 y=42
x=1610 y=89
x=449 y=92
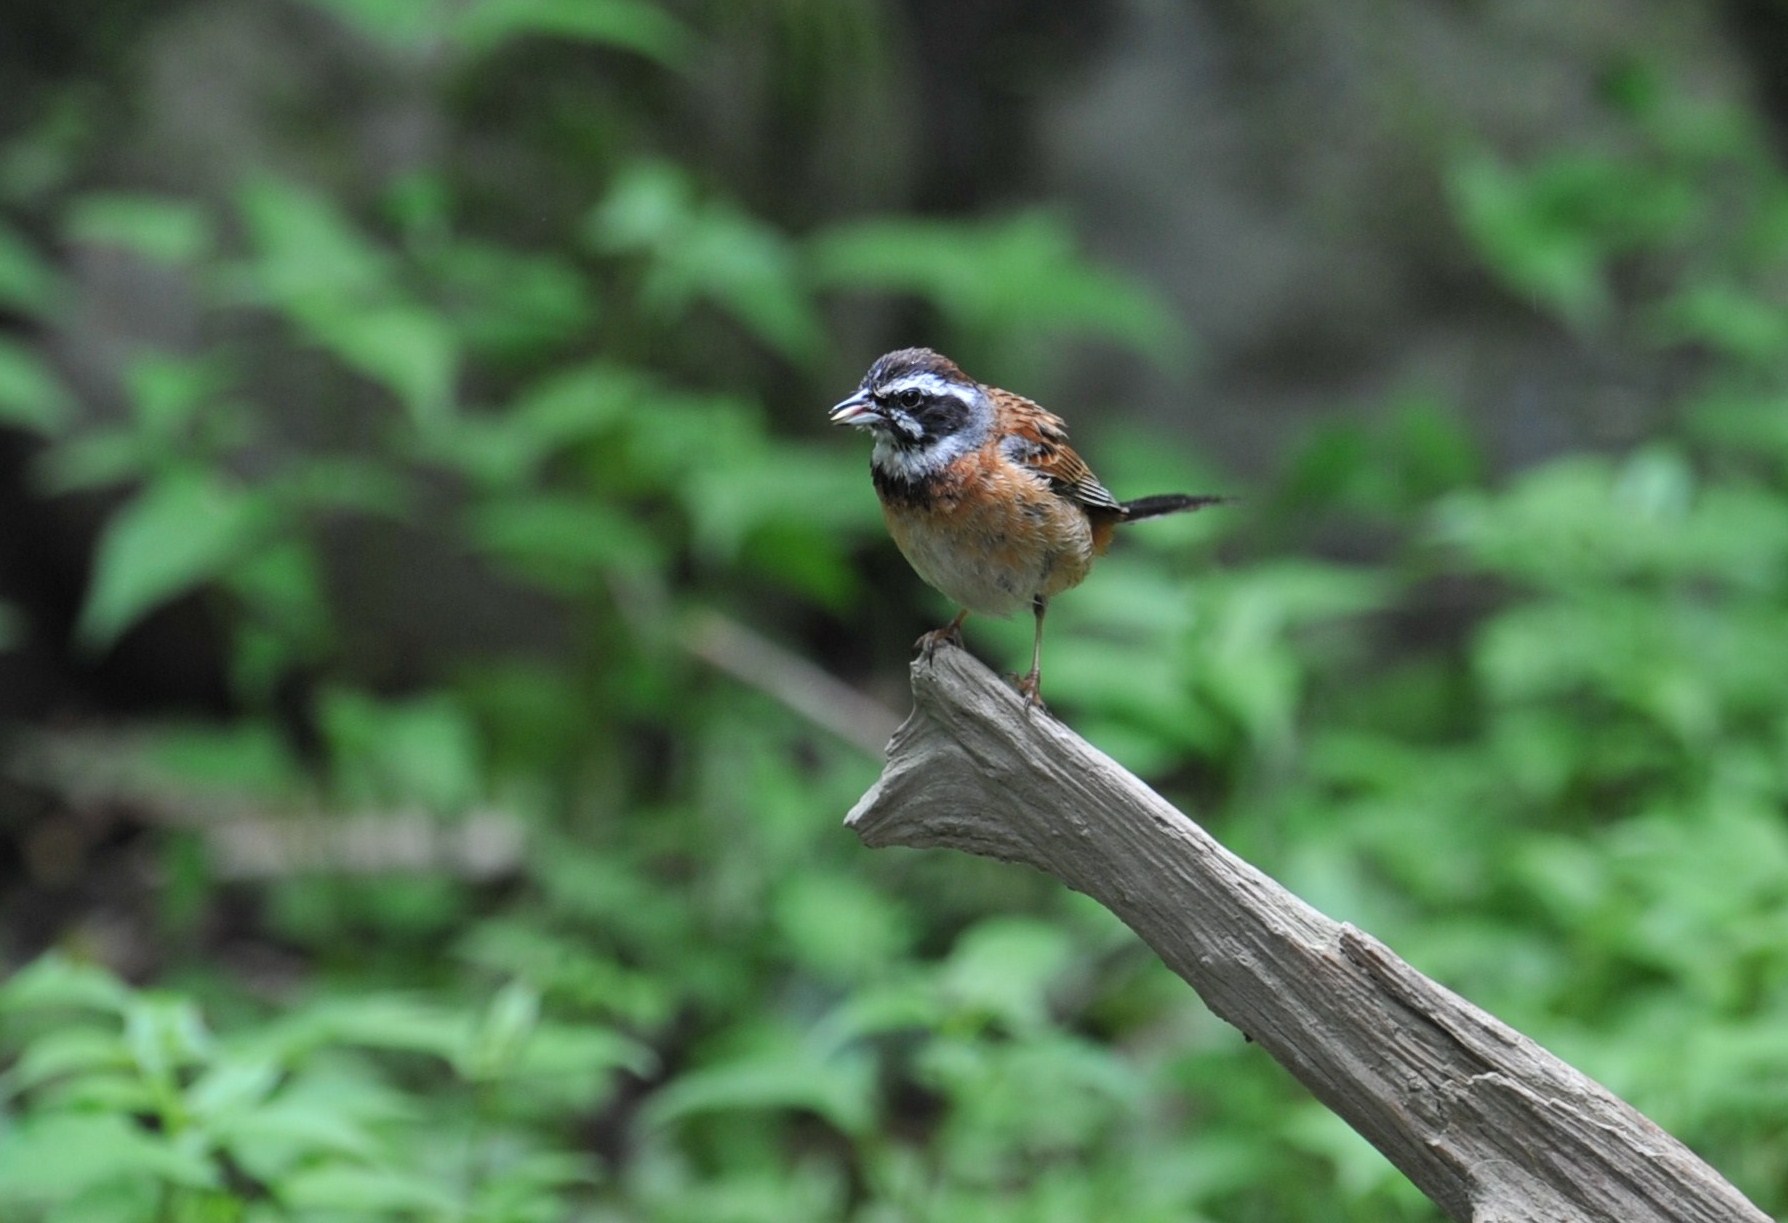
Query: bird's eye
x=910 y=398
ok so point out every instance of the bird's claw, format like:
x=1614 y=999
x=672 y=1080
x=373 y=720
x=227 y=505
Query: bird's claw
x=928 y=643
x=1030 y=687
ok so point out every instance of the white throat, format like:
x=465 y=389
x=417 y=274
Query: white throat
x=915 y=463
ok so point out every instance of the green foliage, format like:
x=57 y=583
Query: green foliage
x=996 y=282
x=487 y=25
x=132 y=1108
x=161 y=230
x=1534 y=742
x=30 y=395
x=1554 y=230
x=180 y=532
x=27 y=283
x=707 y=251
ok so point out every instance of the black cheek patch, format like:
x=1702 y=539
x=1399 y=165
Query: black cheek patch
x=943 y=416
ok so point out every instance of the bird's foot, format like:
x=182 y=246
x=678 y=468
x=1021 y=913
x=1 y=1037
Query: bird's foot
x=950 y=634
x=1030 y=687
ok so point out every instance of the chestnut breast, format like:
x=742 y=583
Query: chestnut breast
x=990 y=535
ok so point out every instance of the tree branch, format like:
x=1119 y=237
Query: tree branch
x=1489 y=1125
x=754 y=659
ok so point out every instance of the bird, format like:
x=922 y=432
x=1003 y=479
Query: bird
x=983 y=495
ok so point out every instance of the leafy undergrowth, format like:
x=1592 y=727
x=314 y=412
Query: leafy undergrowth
x=569 y=928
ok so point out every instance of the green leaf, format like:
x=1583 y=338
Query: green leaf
x=367 y=1191
x=872 y=1010
x=43 y=152
x=52 y=1157
x=164 y=1035
x=1538 y=253
x=513 y=305
x=559 y=541
x=534 y=1186
x=275 y=1136
x=509 y=1021
x=418 y=751
x=1024 y=273
x=53 y=982
x=340 y=1110
x=306 y=250
x=161 y=229
x=238 y=758
x=30 y=395
x=839 y=1088
x=839 y=928
x=1003 y=968
x=1044 y=1091
x=68 y=1051
x=577 y=403
x=749 y=270
x=176 y=534
x=27 y=283
x=734 y=495
x=377 y=1021
x=568 y=968
x=92 y=460
x=167 y=393
x=232 y=1087
x=707 y=250
x=650 y=206
x=409 y=351
x=579 y=1055
x=281 y=586
x=1551 y=230
x=1742 y=424
x=631 y=24
x=1358 y=1167
x=124 y=1093
x=1742 y=323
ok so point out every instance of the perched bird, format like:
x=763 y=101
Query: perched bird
x=982 y=493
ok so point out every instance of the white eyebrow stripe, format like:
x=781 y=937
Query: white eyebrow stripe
x=929 y=384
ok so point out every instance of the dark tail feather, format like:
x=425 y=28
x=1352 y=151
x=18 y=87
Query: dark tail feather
x=1169 y=503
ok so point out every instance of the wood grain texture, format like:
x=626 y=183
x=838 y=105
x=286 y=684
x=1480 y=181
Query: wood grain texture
x=1488 y=1124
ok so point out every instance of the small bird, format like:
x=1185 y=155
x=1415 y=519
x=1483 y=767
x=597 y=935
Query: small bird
x=982 y=493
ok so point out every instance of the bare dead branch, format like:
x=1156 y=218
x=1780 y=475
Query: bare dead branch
x=760 y=663
x=1488 y=1124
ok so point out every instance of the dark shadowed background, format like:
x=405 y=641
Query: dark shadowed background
x=439 y=633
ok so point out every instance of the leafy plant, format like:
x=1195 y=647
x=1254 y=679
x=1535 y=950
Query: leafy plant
x=134 y=1109
x=452 y=464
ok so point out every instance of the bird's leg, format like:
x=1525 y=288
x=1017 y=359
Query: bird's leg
x=951 y=633
x=1031 y=686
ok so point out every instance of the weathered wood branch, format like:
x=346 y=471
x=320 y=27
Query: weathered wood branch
x=1492 y=1127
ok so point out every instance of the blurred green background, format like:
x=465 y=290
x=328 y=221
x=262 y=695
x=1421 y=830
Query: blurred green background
x=439 y=635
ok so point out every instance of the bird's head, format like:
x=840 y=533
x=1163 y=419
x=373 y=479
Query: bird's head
x=913 y=399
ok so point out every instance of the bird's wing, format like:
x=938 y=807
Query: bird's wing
x=1036 y=438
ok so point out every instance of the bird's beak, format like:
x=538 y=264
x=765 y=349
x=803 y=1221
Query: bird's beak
x=853 y=410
